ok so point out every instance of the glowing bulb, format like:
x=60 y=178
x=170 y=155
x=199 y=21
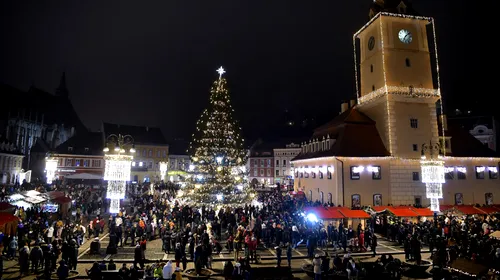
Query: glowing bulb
x=219 y=197
x=106 y=150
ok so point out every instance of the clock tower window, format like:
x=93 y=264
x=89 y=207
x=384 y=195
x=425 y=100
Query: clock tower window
x=371 y=68
x=373 y=87
x=408 y=62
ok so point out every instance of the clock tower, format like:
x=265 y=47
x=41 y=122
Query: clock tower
x=397 y=77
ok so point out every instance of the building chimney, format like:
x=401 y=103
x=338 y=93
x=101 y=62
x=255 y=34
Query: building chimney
x=352 y=103
x=344 y=107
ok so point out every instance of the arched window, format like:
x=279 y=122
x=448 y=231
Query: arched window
x=408 y=62
x=459 y=199
x=330 y=198
x=371 y=68
x=321 y=198
x=311 y=195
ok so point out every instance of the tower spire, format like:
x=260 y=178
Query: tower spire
x=62 y=90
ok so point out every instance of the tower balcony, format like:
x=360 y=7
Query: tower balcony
x=401 y=93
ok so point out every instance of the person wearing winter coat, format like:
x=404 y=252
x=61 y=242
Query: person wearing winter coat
x=24 y=261
x=317 y=267
x=289 y=254
x=139 y=256
x=167 y=271
x=36 y=257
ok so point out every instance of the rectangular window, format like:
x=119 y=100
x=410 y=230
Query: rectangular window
x=355 y=173
x=262 y=172
x=277 y=173
x=144 y=153
x=268 y=173
x=284 y=162
x=449 y=172
x=158 y=153
x=415 y=176
x=313 y=175
x=461 y=173
x=493 y=172
x=415 y=147
x=459 y=199
x=268 y=163
x=255 y=172
x=96 y=163
x=301 y=174
x=376 y=172
x=480 y=172
x=150 y=153
x=164 y=153
x=277 y=162
x=77 y=162
x=418 y=201
x=320 y=175
x=69 y=162
x=328 y=173
x=86 y=163
x=133 y=163
x=414 y=123
x=150 y=165
x=306 y=174
x=283 y=173
x=261 y=163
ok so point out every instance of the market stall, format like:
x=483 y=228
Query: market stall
x=390 y=213
x=7 y=207
x=489 y=210
x=354 y=217
x=61 y=203
x=468 y=210
x=326 y=214
x=8 y=224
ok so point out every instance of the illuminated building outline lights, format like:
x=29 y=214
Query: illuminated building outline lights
x=433 y=172
x=163 y=170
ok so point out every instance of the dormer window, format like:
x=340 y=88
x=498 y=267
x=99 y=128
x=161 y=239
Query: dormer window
x=70 y=149
x=402 y=8
x=86 y=150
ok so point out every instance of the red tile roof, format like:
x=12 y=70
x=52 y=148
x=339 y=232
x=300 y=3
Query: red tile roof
x=355 y=135
x=354 y=214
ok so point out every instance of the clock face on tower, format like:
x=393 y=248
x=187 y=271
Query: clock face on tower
x=405 y=36
x=371 y=43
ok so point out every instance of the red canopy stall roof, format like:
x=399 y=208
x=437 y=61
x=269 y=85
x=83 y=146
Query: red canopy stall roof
x=354 y=214
x=423 y=212
x=324 y=213
x=5 y=205
x=445 y=207
x=468 y=210
x=489 y=209
x=402 y=212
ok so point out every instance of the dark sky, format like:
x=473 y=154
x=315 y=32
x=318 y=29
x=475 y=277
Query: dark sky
x=153 y=62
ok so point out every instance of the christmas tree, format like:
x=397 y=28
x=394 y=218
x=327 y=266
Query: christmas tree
x=217 y=174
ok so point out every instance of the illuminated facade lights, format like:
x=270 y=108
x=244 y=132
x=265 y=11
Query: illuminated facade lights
x=163 y=170
x=117 y=169
x=50 y=169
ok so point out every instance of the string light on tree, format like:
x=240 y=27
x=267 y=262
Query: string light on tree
x=216 y=174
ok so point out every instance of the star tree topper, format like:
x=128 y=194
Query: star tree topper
x=221 y=72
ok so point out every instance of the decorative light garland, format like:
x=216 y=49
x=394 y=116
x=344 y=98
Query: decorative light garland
x=398 y=90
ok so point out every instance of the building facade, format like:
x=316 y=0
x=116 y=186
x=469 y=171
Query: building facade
x=371 y=153
x=38 y=116
x=11 y=160
x=82 y=153
x=283 y=167
x=151 y=150
x=178 y=165
x=260 y=164
x=483 y=128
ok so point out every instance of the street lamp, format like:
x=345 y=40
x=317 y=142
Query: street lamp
x=432 y=173
x=117 y=168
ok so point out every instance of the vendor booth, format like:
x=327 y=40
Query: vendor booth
x=6 y=207
x=326 y=214
x=354 y=217
x=8 y=224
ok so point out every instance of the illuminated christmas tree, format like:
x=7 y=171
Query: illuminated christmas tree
x=217 y=174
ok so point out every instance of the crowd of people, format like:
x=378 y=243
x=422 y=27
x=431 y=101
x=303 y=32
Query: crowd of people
x=196 y=234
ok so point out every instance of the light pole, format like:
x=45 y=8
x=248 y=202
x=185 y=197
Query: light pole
x=117 y=168
x=432 y=167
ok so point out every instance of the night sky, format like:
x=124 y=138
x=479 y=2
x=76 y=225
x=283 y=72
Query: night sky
x=153 y=62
